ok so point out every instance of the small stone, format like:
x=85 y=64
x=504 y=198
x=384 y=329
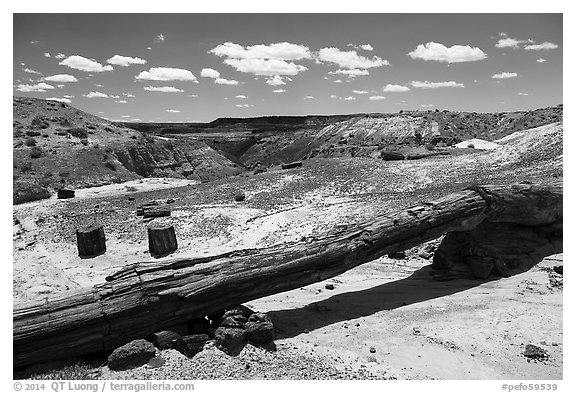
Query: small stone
x=559 y=269
x=372 y=350
x=156 y=362
x=329 y=286
x=534 y=352
x=260 y=332
x=230 y=340
x=397 y=255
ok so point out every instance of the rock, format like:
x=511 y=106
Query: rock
x=239 y=197
x=134 y=354
x=170 y=200
x=65 y=194
x=259 y=317
x=230 y=340
x=559 y=269
x=372 y=350
x=397 y=255
x=131 y=198
x=165 y=339
x=238 y=310
x=425 y=255
x=260 y=332
x=296 y=164
x=535 y=352
x=194 y=343
x=329 y=286
x=481 y=266
x=235 y=320
x=155 y=362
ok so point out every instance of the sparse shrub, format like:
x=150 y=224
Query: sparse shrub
x=429 y=146
x=30 y=142
x=78 y=132
x=108 y=129
x=470 y=146
x=39 y=121
x=131 y=188
x=45 y=135
x=240 y=196
x=64 y=173
x=26 y=166
x=25 y=192
x=110 y=165
x=91 y=126
x=84 y=141
x=32 y=133
x=133 y=137
x=96 y=145
x=61 y=132
x=36 y=152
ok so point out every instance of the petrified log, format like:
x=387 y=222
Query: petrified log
x=65 y=194
x=154 y=211
x=91 y=240
x=161 y=238
x=295 y=164
x=147 y=297
x=140 y=209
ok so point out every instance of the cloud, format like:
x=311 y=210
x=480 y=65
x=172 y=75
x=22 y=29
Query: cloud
x=46 y=54
x=509 y=43
x=39 y=87
x=128 y=95
x=349 y=59
x=66 y=100
x=244 y=105
x=241 y=97
x=541 y=60
x=542 y=46
x=68 y=96
x=121 y=101
x=359 y=92
x=309 y=98
x=377 y=98
x=333 y=96
x=435 y=85
x=166 y=74
x=505 y=75
x=276 y=80
x=84 y=64
x=125 y=61
x=426 y=105
x=277 y=51
x=395 y=88
x=60 y=56
x=350 y=98
x=265 y=67
x=222 y=81
x=160 y=38
x=96 y=94
x=523 y=94
x=34 y=42
x=62 y=78
x=30 y=71
x=173 y=110
x=126 y=116
x=351 y=73
x=279 y=91
x=163 y=89
x=338 y=81
x=367 y=47
x=454 y=54
x=209 y=73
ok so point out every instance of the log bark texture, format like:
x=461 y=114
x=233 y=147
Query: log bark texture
x=161 y=239
x=91 y=240
x=147 y=297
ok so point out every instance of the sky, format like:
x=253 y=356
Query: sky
x=199 y=67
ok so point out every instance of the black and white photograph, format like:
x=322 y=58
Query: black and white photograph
x=287 y=196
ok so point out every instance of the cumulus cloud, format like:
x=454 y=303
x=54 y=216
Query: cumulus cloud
x=308 y=98
x=166 y=74
x=128 y=95
x=426 y=105
x=209 y=73
x=395 y=88
x=279 y=91
x=542 y=46
x=84 y=64
x=435 y=85
x=333 y=96
x=62 y=78
x=454 y=54
x=541 y=60
x=350 y=98
x=173 y=110
x=66 y=100
x=222 y=81
x=160 y=38
x=367 y=47
x=121 y=101
x=30 y=71
x=39 y=88
x=509 y=43
x=46 y=54
x=359 y=92
x=241 y=96
x=163 y=89
x=125 y=61
x=377 y=98
x=338 y=81
x=349 y=59
x=505 y=75
x=266 y=67
x=244 y=106
x=523 y=94
x=351 y=73
x=96 y=94
x=277 y=51
x=60 y=56
x=276 y=80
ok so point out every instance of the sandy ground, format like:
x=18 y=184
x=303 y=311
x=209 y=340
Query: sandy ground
x=417 y=328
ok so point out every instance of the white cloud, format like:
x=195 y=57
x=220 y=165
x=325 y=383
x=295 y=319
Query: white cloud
x=209 y=73
x=276 y=80
x=30 y=71
x=173 y=110
x=435 y=85
x=426 y=105
x=338 y=81
x=66 y=100
x=351 y=73
x=359 y=92
x=160 y=38
x=60 y=56
x=308 y=98
x=244 y=106
x=128 y=95
x=349 y=59
x=63 y=78
x=68 y=96
x=60 y=86
x=192 y=95
x=454 y=54
x=542 y=46
x=541 y=60
x=265 y=67
x=241 y=96
x=222 y=81
x=166 y=74
x=112 y=96
x=279 y=91
x=121 y=101
x=377 y=98
x=84 y=64
x=39 y=87
x=505 y=75
x=96 y=94
x=367 y=47
x=509 y=43
x=277 y=51
x=395 y=88
x=125 y=116
x=98 y=85
x=34 y=42
x=333 y=96
x=163 y=89
x=46 y=54
x=523 y=94
x=125 y=61
x=350 y=98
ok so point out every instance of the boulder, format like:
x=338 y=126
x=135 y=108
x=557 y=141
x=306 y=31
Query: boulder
x=165 y=339
x=397 y=255
x=235 y=320
x=134 y=354
x=230 y=340
x=296 y=164
x=535 y=352
x=65 y=194
x=194 y=343
x=259 y=332
x=238 y=310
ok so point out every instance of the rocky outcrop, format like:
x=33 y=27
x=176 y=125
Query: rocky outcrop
x=134 y=354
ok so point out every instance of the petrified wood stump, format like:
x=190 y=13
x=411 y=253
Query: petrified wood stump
x=161 y=238
x=91 y=240
x=65 y=194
